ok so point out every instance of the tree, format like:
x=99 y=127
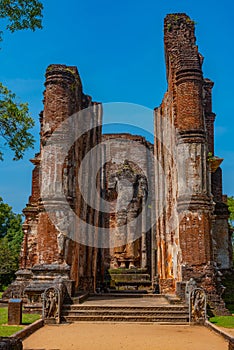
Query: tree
x=5 y=217
x=21 y=14
x=15 y=120
x=11 y=236
x=231 y=209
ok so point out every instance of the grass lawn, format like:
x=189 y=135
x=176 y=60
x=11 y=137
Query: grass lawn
x=223 y=321
x=6 y=331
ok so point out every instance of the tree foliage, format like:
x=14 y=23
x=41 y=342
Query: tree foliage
x=11 y=236
x=15 y=120
x=231 y=209
x=21 y=14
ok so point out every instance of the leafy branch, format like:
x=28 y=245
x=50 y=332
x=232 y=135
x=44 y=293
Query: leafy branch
x=15 y=120
x=14 y=123
x=21 y=14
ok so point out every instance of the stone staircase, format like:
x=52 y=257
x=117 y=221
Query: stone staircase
x=154 y=308
x=124 y=279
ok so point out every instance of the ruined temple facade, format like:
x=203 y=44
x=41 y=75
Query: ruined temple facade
x=128 y=183
x=188 y=235
x=196 y=243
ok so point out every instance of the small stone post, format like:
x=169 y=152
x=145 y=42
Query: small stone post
x=15 y=311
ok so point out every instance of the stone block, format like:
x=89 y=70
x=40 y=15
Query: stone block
x=10 y=344
x=15 y=311
x=231 y=345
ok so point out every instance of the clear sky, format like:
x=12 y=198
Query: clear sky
x=118 y=49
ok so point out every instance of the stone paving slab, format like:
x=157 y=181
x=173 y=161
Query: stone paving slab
x=92 y=336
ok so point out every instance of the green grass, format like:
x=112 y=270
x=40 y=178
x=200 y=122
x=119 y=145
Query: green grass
x=1 y=295
x=6 y=331
x=30 y=318
x=223 y=321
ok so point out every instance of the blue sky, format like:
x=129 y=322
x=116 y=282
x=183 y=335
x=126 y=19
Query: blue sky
x=118 y=49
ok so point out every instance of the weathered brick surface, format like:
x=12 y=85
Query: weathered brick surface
x=185 y=250
x=43 y=243
x=189 y=237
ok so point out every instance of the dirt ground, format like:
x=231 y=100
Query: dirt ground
x=130 y=336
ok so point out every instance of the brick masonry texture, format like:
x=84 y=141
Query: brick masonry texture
x=189 y=235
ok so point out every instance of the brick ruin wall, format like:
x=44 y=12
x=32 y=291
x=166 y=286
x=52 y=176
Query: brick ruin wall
x=43 y=243
x=199 y=239
x=191 y=236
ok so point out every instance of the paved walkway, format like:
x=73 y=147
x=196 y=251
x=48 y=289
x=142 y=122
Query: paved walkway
x=122 y=336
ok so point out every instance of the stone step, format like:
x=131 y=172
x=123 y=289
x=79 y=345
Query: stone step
x=138 y=278
x=183 y=319
x=116 y=308
x=123 y=313
x=133 y=282
x=136 y=271
x=126 y=308
x=127 y=294
x=173 y=300
x=171 y=314
x=167 y=308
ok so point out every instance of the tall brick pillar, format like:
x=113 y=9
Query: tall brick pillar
x=194 y=206
x=44 y=254
x=184 y=106
x=188 y=105
x=62 y=100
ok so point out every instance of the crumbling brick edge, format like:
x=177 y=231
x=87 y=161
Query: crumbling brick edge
x=223 y=334
x=27 y=331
